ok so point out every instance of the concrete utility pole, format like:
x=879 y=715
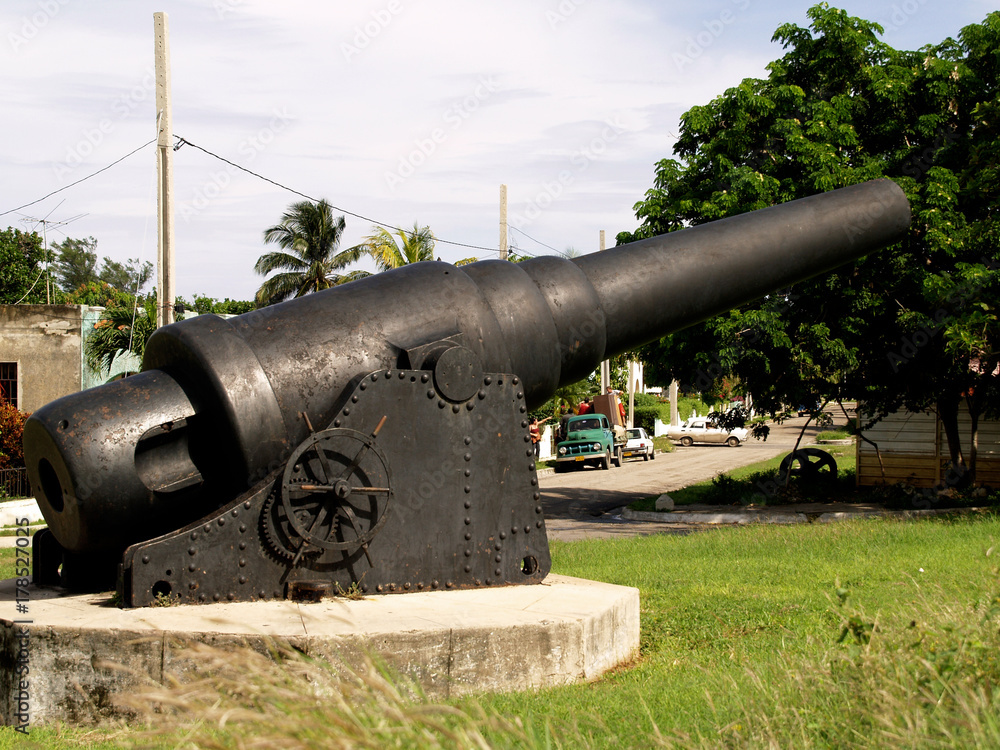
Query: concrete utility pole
x=503 y=222
x=165 y=174
x=674 y=415
x=606 y=364
x=631 y=393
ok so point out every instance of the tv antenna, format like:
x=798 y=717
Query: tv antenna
x=46 y=222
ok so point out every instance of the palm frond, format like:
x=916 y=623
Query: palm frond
x=279 y=288
x=274 y=261
x=310 y=236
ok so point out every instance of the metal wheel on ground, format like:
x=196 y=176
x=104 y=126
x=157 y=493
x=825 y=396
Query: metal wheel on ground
x=733 y=441
x=808 y=463
x=687 y=441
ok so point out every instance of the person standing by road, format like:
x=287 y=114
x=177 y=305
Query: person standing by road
x=563 y=419
x=535 y=431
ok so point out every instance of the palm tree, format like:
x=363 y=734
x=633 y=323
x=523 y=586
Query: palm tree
x=308 y=236
x=415 y=246
x=121 y=329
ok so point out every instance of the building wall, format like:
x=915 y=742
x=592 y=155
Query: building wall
x=914 y=450
x=46 y=343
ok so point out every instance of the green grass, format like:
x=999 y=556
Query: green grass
x=834 y=435
x=7 y=555
x=866 y=634
x=755 y=483
x=740 y=629
x=662 y=444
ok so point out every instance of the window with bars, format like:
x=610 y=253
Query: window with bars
x=8 y=382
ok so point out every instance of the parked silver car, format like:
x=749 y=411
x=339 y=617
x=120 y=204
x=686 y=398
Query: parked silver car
x=700 y=430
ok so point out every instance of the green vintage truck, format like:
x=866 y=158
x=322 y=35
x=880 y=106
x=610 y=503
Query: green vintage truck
x=590 y=440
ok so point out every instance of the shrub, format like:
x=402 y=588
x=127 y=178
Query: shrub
x=645 y=416
x=645 y=399
x=11 y=430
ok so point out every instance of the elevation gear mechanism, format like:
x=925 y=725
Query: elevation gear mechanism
x=335 y=496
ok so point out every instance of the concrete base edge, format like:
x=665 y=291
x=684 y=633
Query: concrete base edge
x=68 y=657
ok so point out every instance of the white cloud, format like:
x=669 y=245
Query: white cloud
x=519 y=92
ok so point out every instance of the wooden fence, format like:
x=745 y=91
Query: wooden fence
x=914 y=450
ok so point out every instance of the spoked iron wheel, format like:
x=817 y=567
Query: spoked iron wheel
x=335 y=493
x=808 y=464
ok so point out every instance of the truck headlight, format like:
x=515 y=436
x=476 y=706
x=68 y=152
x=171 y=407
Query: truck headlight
x=597 y=446
x=562 y=450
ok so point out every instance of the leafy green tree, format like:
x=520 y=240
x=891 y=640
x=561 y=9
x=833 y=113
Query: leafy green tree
x=903 y=328
x=130 y=277
x=309 y=237
x=22 y=259
x=413 y=246
x=99 y=294
x=203 y=304
x=75 y=262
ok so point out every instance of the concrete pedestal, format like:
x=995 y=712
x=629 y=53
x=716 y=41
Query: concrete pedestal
x=80 y=650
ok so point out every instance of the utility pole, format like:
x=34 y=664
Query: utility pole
x=503 y=222
x=606 y=364
x=165 y=175
x=631 y=393
x=674 y=414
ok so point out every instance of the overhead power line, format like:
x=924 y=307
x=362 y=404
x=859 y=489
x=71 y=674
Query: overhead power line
x=82 y=179
x=539 y=242
x=185 y=141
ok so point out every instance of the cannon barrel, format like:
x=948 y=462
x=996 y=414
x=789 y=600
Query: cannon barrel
x=219 y=403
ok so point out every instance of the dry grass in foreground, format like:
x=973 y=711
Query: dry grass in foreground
x=285 y=699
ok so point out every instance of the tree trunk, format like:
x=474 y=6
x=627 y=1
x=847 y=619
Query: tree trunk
x=975 y=408
x=948 y=414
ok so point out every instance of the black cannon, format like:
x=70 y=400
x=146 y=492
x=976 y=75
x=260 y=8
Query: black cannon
x=373 y=437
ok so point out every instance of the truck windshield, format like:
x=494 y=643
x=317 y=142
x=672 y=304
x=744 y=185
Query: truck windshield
x=586 y=424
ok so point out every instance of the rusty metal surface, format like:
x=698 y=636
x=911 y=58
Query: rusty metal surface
x=217 y=412
x=443 y=495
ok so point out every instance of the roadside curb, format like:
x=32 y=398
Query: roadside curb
x=700 y=517
x=12 y=510
x=748 y=516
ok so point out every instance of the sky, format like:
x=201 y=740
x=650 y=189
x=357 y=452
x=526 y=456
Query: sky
x=395 y=111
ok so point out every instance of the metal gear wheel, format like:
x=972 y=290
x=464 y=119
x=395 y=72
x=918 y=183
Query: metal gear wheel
x=335 y=494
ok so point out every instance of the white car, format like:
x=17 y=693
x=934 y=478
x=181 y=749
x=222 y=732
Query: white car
x=700 y=430
x=639 y=444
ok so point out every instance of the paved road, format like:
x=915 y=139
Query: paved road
x=581 y=503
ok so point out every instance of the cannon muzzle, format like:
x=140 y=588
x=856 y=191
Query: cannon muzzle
x=288 y=397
